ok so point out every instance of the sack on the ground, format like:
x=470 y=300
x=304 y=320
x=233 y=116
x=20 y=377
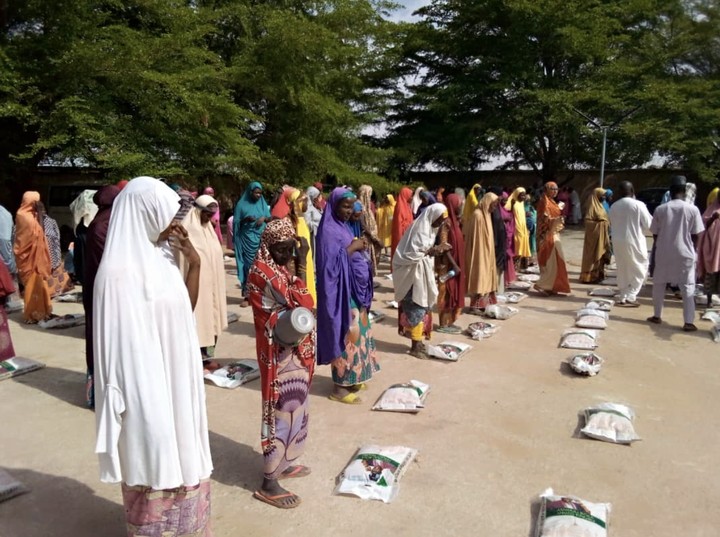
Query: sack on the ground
x=602 y=304
x=511 y=297
x=235 y=374
x=9 y=486
x=715 y=332
x=528 y=277
x=12 y=367
x=587 y=363
x=70 y=297
x=594 y=312
x=448 y=350
x=481 y=330
x=711 y=315
x=500 y=312
x=570 y=516
x=579 y=338
x=64 y=321
x=611 y=422
x=609 y=281
x=591 y=321
x=602 y=291
x=408 y=397
x=533 y=269
x=374 y=472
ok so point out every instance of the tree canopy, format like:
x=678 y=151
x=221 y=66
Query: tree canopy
x=508 y=78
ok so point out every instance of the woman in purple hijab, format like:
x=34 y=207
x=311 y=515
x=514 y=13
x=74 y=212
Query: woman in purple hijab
x=345 y=292
x=94 y=246
x=509 y=220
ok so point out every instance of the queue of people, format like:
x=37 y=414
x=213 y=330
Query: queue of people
x=155 y=297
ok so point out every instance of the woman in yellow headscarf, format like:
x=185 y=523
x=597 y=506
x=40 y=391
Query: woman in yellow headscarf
x=384 y=220
x=516 y=204
x=596 y=248
x=712 y=197
x=298 y=203
x=471 y=203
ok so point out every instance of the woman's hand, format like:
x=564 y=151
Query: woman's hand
x=356 y=245
x=260 y=221
x=180 y=241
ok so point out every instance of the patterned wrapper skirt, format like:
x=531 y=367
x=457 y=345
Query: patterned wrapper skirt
x=180 y=512
x=359 y=361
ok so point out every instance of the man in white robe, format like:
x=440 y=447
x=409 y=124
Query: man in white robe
x=675 y=228
x=630 y=220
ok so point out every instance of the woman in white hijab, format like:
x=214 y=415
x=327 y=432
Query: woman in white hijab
x=211 y=307
x=414 y=276
x=152 y=433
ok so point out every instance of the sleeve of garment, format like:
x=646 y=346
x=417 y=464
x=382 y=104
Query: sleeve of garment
x=646 y=218
x=655 y=224
x=697 y=224
x=111 y=405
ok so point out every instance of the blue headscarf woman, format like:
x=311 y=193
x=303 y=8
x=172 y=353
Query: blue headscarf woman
x=345 y=293
x=251 y=214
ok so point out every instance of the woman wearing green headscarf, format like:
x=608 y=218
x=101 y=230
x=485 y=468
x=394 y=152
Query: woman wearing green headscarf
x=251 y=215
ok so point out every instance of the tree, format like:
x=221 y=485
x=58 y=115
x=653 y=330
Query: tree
x=129 y=87
x=505 y=77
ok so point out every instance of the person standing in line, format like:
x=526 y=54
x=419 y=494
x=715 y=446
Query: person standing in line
x=369 y=225
x=480 y=248
x=575 y=207
x=631 y=220
x=675 y=228
x=249 y=219
x=286 y=371
x=531 y=219
x=451 y=291
x=553 y=271
x=345 y=292
x=83 y=209
x=211 y=308
x=509 y=223
x=32 y=256
x=313 y=214
x=596 y=246
x=709 y=248
x=7 y=256
x=414 y=276
x=471 y=203
x=94 y=247
x=402 y=219
x=304 y=255
x=210 y=191
x=384 y=221
x=516 y=205
x=59 y=281
x=152 y=429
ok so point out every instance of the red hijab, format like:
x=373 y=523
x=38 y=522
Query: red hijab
x=402 y=217
x=456 y=286
x=281 y=209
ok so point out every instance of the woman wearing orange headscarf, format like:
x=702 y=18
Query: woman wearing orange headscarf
x=553 y=272
x=32 y=257
x=402 y=219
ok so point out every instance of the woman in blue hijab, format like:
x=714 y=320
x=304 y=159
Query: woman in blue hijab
x=251 y=214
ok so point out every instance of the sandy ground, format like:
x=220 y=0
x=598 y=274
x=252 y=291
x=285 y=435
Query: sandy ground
x=500 y=426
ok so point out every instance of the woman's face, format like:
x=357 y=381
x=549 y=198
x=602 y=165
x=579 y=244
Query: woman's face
x=552 y=191
x=424 y=199
x=303 y=203
x=478 y=191
x=439 y=221
x=344 y=209
x=257 y=193
x=522 y=196
x=316 y=201
x=282 y=252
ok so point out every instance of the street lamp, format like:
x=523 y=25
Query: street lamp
x=604 y=129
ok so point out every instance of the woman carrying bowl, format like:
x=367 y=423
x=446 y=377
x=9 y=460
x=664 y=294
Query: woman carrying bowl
x=286 y=370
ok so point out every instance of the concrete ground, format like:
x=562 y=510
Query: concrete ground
x=500 y=426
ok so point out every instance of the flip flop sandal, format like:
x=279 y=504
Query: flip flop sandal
x=273 y=500
x=298 y=471
x=349 y=399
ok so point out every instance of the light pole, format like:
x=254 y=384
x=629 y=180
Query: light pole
x=604 y=129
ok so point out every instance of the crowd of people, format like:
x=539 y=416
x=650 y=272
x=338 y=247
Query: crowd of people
x=150 y=259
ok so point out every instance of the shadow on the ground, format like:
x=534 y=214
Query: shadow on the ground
x=59 y=507
x=244 y=327
x=236 y=464
x=63 y=384
x=74 y=331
